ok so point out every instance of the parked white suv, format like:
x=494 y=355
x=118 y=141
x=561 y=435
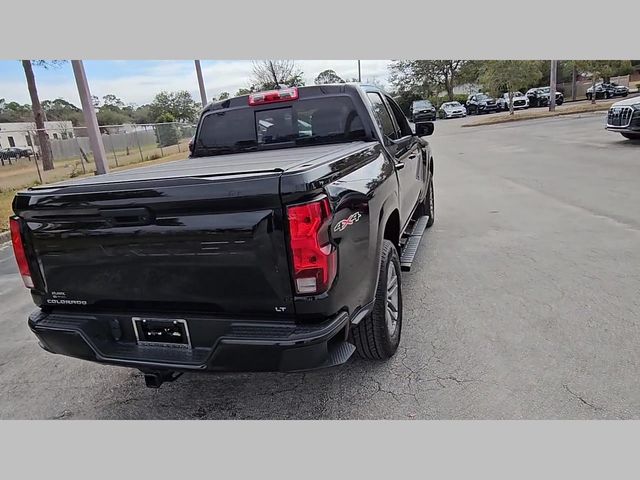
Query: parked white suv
x=520 y=100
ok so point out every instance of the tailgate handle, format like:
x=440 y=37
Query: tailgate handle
x=128 y=216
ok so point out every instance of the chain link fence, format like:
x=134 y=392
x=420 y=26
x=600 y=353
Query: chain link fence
x=125 y=145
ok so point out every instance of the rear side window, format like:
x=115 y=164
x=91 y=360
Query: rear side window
x=302 y=122
x=223 y=131
x=381 y=115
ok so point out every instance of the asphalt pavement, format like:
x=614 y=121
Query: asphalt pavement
x=523 y=303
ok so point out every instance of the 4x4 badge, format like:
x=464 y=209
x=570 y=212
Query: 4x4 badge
x=350 y=220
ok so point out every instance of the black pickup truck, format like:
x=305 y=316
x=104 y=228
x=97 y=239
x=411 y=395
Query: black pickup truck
x=276 y=246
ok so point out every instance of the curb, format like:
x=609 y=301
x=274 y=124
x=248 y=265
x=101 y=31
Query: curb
x=518 y=119
x=555 y=114
x=5 y=237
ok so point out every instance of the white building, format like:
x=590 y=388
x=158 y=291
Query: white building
x=20 y=134
x=464 y=89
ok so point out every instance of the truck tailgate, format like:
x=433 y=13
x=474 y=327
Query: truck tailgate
x=213 y=244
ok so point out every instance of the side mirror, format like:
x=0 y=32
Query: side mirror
x=191 y=145
x=424 y=128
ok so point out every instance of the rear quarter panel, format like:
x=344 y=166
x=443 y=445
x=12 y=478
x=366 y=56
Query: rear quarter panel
x=362 y=188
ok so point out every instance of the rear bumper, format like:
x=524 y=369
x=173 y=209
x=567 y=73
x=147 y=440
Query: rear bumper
x=217 y=344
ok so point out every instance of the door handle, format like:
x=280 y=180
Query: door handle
x=128 y=216
x=399 y=166
x=412 y=156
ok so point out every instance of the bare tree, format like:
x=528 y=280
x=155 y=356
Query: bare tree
x=39 y=116
x=447 y=72
x=274 y=74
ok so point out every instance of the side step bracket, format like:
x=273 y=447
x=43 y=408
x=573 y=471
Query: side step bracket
x=410 y=247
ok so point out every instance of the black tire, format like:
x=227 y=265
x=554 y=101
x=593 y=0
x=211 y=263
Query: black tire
x=631 y=136
x=427 y=206
x=371 y=336
x=560 y=101
x=430 y=204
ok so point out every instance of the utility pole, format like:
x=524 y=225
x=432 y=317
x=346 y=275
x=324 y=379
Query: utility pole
x=552 y=86
x=203 y=92
x=359 y=75
x=90 y=119
x=573 y=82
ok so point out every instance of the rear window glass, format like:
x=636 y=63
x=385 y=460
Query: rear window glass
x=422 y=104
x=301 y=122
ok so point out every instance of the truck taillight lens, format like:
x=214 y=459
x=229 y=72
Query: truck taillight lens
x=314 y=258
x=273 y=96
x=18 y=250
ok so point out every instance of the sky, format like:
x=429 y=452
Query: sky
x=137 y=82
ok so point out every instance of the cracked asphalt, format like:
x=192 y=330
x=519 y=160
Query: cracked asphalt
x=523 y=303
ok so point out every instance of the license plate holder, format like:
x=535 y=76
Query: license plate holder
x=162 y=332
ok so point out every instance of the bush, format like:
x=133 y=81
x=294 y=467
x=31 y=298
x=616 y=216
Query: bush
x=166 y=134
x=187 y=131
x=75 y=170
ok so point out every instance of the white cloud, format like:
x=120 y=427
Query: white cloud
x=220 y=76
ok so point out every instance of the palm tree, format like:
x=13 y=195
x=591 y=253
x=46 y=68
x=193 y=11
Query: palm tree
x=39 y=115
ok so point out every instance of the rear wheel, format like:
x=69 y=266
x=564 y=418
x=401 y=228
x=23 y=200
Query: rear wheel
x=377 y=336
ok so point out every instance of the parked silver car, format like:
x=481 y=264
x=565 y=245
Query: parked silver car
x=452 y=110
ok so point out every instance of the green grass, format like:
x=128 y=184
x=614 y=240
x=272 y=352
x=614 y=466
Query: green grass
x=5 y=209
x=24 y=174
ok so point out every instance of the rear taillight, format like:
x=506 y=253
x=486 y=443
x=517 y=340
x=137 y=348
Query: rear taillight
x=314 y=258
x=18 y=250
x=274 y=96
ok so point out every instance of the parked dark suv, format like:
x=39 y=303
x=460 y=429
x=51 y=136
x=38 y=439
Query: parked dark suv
x=608 y=90
x=539 y=97
x=481 y=103
x=422 y=110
